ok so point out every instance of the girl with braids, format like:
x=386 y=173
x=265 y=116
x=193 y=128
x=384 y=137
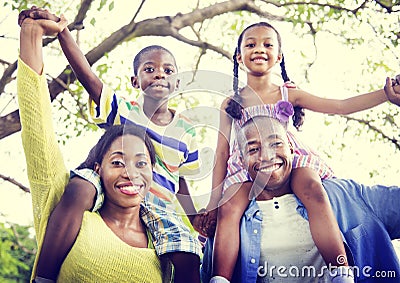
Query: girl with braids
x=258 y=51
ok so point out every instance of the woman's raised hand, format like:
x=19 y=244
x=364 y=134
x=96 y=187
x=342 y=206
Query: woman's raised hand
x=50 y=23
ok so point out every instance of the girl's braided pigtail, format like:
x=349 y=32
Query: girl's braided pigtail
x=298 y=117
x=234 y=108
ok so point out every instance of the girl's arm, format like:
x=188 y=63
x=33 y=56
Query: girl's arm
x=338 y=106
x=221 y=157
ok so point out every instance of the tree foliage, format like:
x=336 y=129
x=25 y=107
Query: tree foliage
x=308 y=17
x=17 y=250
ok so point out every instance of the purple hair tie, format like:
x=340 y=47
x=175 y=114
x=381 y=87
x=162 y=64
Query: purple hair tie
x=283 y=110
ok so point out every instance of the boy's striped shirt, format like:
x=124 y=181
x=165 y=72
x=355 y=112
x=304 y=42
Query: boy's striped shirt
x=175 y=144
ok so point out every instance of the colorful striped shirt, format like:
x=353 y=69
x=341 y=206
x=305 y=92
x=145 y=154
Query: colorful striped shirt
x=175 y=144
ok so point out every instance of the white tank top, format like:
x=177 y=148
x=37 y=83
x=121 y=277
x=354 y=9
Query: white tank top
x=288 y=252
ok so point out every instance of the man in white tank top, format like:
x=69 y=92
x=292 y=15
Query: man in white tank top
x=287 y=251
x=276 y=242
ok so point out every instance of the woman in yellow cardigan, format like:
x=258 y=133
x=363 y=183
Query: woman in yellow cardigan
x=113 y=245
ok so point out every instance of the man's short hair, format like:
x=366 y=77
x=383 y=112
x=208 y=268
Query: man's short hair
x=260 y=122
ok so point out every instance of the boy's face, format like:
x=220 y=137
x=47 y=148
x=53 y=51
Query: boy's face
x=267 y=155
x=156 y=74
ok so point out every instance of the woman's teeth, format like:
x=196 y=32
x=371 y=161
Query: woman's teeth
x=131 y=189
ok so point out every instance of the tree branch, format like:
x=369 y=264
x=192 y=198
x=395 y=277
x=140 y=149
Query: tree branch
x=160 y=26
x=83 y=9
x=138 y=10
x=18 y=184
x=18 y=241
x=388 y=8
x=6 y=76
x=393 y=140
x=202 y=45
x=310 y=64
x=4 y=62
x=335 y=7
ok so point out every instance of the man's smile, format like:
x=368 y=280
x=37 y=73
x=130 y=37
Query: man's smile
x=269 y=167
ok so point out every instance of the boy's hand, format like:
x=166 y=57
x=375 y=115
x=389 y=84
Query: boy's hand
x=51 y=24
x=392 y=90
x=205 y=222
x=36 y=13
x=210 y=223
x=197 y=223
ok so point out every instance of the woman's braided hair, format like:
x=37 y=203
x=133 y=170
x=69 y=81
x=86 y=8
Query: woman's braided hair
x=234 y=108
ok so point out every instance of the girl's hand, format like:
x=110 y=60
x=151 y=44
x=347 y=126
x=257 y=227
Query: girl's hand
x=392 y=90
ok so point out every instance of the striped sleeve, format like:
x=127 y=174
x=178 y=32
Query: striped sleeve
x=107 y=113
x=304 y=156
x=191 y=164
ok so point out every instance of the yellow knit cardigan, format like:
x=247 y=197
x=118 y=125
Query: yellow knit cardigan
x=98 y=255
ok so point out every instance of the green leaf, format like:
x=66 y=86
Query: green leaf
x=102 y=4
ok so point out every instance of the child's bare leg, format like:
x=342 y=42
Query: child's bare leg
x=307 y=186
x=63 y=226
x=226 y=244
